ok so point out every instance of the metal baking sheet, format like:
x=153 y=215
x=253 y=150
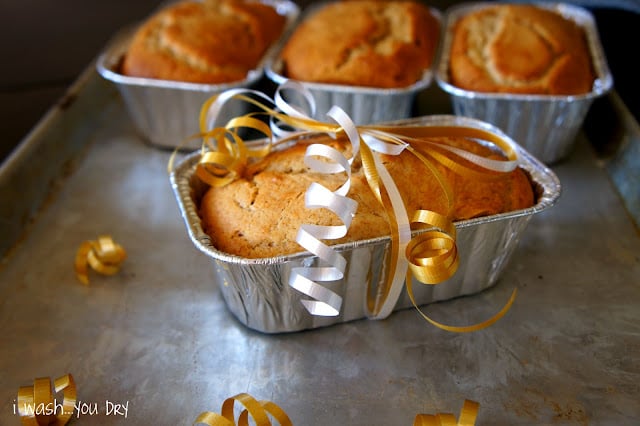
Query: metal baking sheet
x=159 y=337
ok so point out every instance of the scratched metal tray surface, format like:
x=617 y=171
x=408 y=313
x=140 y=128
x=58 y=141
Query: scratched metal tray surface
x=159 y=337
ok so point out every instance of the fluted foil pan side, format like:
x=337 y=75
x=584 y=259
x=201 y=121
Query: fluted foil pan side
x=543 y=124
x=256 y=291
x=166 y=113
x=364 y=105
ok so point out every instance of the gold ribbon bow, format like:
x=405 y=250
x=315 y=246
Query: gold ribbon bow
x=37 y=406
x=467 y=417
x=260 y=412
x=103 y=255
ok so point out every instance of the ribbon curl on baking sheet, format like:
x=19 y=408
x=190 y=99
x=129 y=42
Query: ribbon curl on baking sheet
x=37 y=406
x=260 y=412
x=430 y=256
x=468 y=415
x=103 y=255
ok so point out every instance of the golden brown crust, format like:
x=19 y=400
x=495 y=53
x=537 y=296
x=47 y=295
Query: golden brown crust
x=259 y=215
x=522 y=49
x=203 y=42
x=382 y=44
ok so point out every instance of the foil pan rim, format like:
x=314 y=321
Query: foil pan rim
x=180 y=179
x=112 y=54
x=603 y=82
x=273 y=67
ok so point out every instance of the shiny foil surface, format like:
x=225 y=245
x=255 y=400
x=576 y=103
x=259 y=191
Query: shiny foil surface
x=545 y=125
x=256 y=291
x=365 y=105
x=164 y=112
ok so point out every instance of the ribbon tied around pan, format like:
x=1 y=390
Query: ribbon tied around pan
x=430 y=255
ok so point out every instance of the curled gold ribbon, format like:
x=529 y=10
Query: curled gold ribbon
x=431 y=256
x=261 y=413
x=102 y=255
x=37 y=406
x=468 y=415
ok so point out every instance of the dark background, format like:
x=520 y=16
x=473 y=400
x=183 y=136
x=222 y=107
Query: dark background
x=46 y=44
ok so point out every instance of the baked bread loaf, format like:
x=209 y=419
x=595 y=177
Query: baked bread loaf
x=521 y=49
x=385 y=44
x=213 y=41
x=258 y=215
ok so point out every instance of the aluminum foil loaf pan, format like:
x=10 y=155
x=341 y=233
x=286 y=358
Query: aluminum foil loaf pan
x=545 y=125
x=257 y=292
x=364 y=105
x=164 y=112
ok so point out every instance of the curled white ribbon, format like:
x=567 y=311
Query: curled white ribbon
x=291 y=109
x=307 y=279
x=503 y=166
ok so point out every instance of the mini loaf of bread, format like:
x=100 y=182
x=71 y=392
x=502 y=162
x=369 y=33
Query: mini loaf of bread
x=521 y=49
x=385 y=44
x=213 y=41
x=258 y=215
